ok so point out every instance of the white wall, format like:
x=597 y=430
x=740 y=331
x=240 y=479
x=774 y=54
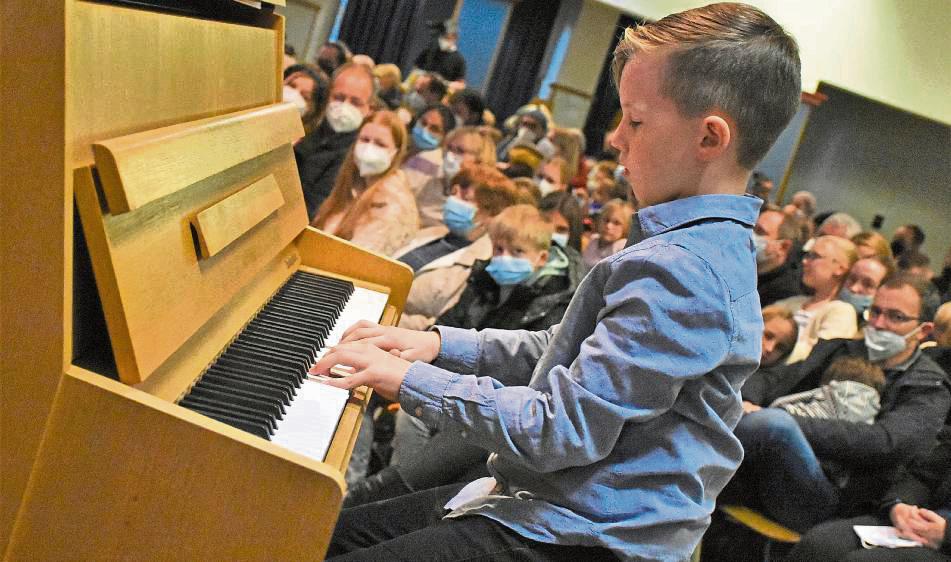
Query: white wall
x=892 y=51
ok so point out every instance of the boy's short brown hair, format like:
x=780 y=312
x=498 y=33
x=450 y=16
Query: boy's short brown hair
x=731 y=57
x=855 y=369
x=521 y=224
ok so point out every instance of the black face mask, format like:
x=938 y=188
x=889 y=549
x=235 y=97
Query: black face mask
x=899 y=246
x=327 y=66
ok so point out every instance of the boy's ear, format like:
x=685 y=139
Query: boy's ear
x=542 y=259
x=717 y=137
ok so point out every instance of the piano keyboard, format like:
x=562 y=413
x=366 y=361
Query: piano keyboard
x=259 y=383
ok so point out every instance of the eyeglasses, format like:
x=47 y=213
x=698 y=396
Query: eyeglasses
x=813 y=255
x=891 y=316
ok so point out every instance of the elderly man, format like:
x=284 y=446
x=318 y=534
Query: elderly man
x=783 y=471
x=321 y=152
x=839 y=224
x=777 y=274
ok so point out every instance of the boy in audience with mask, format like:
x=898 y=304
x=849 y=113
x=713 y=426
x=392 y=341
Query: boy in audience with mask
x=790 y=449
x=526 y=285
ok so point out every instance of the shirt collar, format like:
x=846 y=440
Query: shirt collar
x=904 y=365
x=664 y=217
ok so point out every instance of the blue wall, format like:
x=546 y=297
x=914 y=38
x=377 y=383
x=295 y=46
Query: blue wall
x=480 y=28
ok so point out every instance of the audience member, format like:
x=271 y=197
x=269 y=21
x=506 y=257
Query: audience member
x=916 y=263
x=614 y=224
x=778 y=273
x=566 y=143
x=907 y=238
x=371 y=204
x=821 y=315
x=388 y=79
x=428 y=89
x=782 y=471
x=321 y=152
x=479 y=193
x=943 y=281
x=779 y=337
x=332 y=55
x=564 y=213
x=940 y=352
x=870 y=243
x=760 y=186
x=530 y=192
x=849 y=391
x=468 y=106
x=424 y=160
x=442 y=55
x=803 y=202
x=531 y=127
x=523 y=158
x=917 y=505
x=553 y=175
x=290 y=56
x=364 y=60
x=461 y=145
x=863 y=280
x=313 y=89
x=839 y=224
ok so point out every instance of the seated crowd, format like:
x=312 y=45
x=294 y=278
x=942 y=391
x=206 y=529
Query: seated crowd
x=500 y=225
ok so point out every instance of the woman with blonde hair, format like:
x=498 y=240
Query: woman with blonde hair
x=371 y=204
x=872 y=244
x=462 y=145
x=822 y=315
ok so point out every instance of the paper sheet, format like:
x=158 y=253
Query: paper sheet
x=884 y=536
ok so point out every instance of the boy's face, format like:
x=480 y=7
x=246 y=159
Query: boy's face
x=519 y=249
x=658 y=146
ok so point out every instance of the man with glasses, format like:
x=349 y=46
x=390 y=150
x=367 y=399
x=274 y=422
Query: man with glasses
x=775 y=236
x=782 y=473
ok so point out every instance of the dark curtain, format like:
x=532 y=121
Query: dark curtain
x=605 y=103
x=515 y=75
x=382 y=29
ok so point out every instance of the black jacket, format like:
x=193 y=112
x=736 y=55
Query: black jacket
x=914 y=407
x=449 y=64
x=927 y=482
x=779 y=283
x=319 y=156
x=535 y=306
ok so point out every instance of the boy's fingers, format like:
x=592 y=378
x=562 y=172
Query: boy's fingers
x=343 y=354
x=353 y=333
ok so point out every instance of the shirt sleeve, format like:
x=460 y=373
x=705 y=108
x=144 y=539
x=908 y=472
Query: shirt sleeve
x=665 y=321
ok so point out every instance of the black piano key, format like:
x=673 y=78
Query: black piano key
x=260 y=370
x=271 y=357
x=231 y=409
x=287 y=386
x=270 y=341
x=226 y=395
x=253 y=388
x=249 y=427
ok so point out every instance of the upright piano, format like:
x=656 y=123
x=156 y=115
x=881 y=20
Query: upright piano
x=162 y=294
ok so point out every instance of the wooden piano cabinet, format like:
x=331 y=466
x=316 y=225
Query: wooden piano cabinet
x=92 y=468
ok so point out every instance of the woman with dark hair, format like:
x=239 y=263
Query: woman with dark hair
x=313 y=88
x=562 y=210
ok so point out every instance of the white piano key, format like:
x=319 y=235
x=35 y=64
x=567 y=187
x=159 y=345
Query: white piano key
x=310 y=422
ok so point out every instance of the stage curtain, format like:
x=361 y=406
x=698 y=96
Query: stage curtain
x=380 y=28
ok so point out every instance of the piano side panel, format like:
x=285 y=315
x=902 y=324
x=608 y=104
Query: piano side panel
x=154 y=481
x=35 y=235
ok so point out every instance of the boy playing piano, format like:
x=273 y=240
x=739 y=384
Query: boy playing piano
x=612 y=432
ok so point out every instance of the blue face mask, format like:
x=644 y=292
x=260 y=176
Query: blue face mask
x=508 y=270
x=459 y=216
x=423 y=139
x=560 y=238
x=884 y=344
x=859 y=302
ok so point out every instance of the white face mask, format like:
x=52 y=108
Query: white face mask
x=885 y=344
x=371 y=159
x=343 y=117
x=451 y=164
x=525 y=134
x=446 y=45
x=547 y=148
x=546 y=187
x=291 y=95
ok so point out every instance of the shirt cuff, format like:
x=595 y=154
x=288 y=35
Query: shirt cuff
x=458 y=350
x=421 y=394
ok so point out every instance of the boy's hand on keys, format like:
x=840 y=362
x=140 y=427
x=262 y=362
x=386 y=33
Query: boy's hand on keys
x=411 y=345
x=369 y=365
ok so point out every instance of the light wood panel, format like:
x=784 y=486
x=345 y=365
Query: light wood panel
x=226 y=221
x=153 y=481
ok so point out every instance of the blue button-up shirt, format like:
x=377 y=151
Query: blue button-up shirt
x=615 y=428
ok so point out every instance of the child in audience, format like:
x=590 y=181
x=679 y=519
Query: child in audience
x=849 y=391
x=561 y=209
x=614 y=222
x=461 y=145
x=371 y=204
x=553 y=175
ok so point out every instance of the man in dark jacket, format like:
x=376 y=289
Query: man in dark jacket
x=778 y=272
x=918 y=505
x=320 y=153
x=782 y=470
